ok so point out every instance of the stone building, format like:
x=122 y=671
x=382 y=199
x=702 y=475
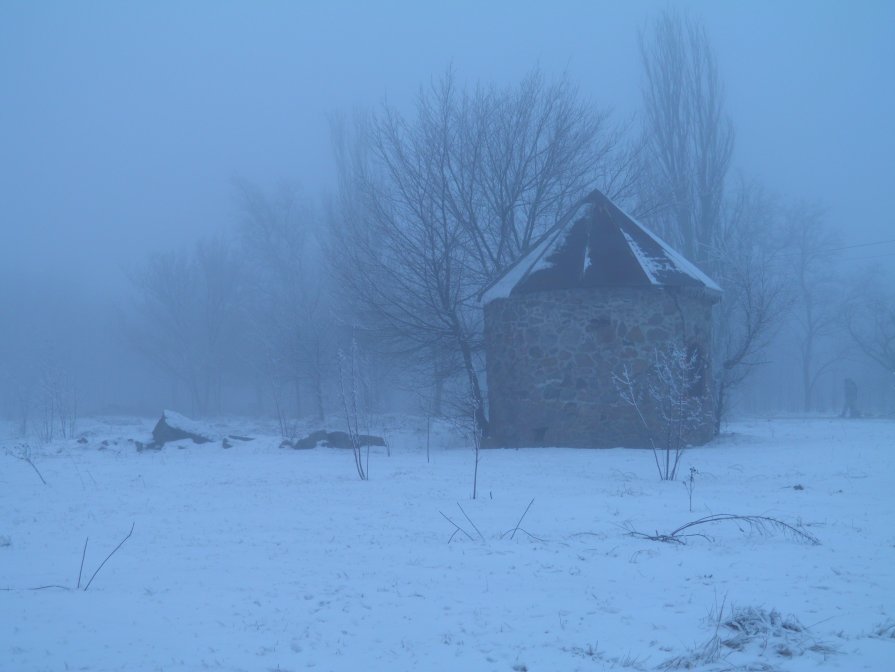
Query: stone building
x=599 y=296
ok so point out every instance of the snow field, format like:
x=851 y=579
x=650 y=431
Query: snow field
x=261 y=558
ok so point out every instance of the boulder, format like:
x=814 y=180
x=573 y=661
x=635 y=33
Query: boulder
x=176 y=427
x=343 y=440
x=333 y=440
x=310 y=441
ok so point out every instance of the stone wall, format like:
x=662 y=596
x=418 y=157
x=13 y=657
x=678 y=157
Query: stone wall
x=551 y=357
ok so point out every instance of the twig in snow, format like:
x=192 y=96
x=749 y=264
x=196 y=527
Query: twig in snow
x=54 y=585
x=27 y=458
x=516 y=529
x=760 y=523
x=83 y=555
x=81 y=569
x=108 y=556
x=531 y=536
x=474 y=526
x=458 y=529
x=666 y=538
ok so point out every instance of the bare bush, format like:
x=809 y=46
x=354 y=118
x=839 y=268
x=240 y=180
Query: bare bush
x=511 y=533
x=667 y=402
x=751 y=630
x=678 y=374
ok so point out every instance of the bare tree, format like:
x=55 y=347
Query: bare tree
x=432 y=208
x=813 y=253
x=186 y=314
x=749 y=266
x=39 y=380
x=292 y=321
x=688 y=137
x=57 y=397
x=522 y=157
x=869 y=317
x=688 y=142
x=23 y=393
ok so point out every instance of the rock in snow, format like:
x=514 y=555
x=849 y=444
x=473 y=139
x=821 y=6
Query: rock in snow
x=175 y=427
x=334 y=440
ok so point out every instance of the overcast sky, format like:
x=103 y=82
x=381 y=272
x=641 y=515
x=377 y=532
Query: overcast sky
x=123 y=124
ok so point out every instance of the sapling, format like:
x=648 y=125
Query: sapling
x=666 y=404
x=349 y=393
x=24 y=454
x=690 y=484
x=477 y=444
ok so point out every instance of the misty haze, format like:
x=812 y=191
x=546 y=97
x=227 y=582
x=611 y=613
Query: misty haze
x=485 y=336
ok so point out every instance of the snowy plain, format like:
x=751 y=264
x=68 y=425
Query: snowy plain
x=258 y=557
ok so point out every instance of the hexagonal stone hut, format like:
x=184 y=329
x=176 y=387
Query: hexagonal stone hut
x=598 y=296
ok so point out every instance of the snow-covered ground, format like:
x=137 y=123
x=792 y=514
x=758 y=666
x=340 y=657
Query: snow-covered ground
x=262 y=558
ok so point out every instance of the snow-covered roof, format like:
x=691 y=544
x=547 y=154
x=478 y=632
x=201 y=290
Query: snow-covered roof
x=598 y=245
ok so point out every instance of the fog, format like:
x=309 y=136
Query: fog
x=126 y=130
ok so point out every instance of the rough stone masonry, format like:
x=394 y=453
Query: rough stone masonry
x=552 y=355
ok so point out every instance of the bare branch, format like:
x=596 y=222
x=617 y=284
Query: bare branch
x=114 y=550
x=521 y=518
x=27 y=458
x=759 y=523
x=457 y=528
x=81 y=568
x=474 y=526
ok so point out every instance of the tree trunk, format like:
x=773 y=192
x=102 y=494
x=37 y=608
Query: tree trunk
x=438 y=393
x=318 y=378
x=807 y=347
x=806 y=384
x=196 y=397
x=720 y=402
x=477 y=398
x=297 y=387
x=318 y=393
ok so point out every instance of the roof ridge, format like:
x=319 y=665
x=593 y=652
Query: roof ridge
x=630 y=253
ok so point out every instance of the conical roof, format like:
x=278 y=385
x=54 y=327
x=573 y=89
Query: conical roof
x=598 y=245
